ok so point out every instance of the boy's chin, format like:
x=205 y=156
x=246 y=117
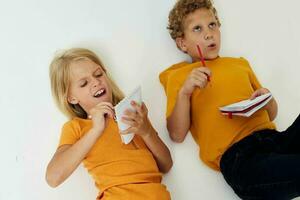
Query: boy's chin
x=212 y=57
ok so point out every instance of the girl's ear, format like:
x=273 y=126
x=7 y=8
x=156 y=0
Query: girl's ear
x=73 y=100
x=181 y=44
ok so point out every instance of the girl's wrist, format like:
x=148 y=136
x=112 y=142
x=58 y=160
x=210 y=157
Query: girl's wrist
x=97 y=129
x=149 y=134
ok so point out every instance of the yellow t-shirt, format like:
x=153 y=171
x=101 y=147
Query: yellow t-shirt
x=120 y=171
x=232 y=80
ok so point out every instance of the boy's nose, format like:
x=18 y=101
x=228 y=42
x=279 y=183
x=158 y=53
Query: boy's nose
x=208 y=35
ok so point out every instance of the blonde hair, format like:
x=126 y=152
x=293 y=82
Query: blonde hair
x=181 y=9
x=60 y=80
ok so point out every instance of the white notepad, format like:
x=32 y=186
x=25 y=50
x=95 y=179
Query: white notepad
x=123 y=105
x=247 y=107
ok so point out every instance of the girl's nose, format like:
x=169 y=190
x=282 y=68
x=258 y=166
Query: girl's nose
x=96 y=82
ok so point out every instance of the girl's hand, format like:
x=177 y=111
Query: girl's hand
x=99 y=113
x=197 y=78
x=138 y=121
x=259 y=92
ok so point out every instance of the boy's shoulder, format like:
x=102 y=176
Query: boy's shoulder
x=236 y=59
x=180 y=69
x=186 y=66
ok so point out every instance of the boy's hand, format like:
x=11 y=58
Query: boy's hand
x=138 y=121
x=99 y=113
x=197 y=78
x=259 y=92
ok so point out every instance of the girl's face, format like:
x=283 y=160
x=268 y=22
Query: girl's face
x=200 y=28
x=88 y=85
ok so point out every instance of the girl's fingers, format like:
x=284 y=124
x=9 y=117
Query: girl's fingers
x=137 y=107
x=129 y=130
x=144 y=108
x=130 y=113
x=103 y=108
x=129 y=121
x=105 y=104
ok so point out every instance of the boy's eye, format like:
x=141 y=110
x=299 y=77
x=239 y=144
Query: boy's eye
x=83 y=84
x=197 y=29
x=212 y=25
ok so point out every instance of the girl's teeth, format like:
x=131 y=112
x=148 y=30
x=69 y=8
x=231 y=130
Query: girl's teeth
x=99 y=93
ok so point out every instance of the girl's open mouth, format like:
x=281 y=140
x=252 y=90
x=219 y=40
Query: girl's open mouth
x=100 y=93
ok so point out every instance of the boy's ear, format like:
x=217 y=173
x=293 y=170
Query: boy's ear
x=181 y=44
x=72 y=100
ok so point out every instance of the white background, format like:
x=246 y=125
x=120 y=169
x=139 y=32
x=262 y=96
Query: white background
x=131 y=38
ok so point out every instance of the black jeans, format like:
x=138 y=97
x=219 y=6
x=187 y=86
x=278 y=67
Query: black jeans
x=265 y=165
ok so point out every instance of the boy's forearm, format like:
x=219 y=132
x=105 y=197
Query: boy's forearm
x=159 y=151
x=272 y=109
x=178 y=123
x=66 y=161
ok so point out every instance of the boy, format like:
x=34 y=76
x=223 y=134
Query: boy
x=257 y=161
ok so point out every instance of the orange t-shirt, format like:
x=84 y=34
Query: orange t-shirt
x=120 y=171
x=232 y=80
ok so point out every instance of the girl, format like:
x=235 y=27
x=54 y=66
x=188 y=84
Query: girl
x=84 y=92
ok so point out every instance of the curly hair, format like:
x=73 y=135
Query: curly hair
x=181 y=9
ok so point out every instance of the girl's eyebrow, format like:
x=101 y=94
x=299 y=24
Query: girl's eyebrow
x=83 y=78
x=97 y=70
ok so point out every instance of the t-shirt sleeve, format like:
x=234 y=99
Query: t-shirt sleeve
x=172 y=89
x=253 y=79
x=70 y=133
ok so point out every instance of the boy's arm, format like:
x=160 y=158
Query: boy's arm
x=271 y=107
x=178 y=123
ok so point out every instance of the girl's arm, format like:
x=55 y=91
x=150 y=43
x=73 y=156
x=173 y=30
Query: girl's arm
x=178 y=123
x=159 y=150
x=141 y=125
x=68 y=157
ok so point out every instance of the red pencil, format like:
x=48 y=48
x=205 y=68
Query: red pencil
x=202 y=60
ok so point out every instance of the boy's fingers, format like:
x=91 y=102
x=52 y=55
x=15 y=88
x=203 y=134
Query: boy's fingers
x=255 y=94
x=205 y=70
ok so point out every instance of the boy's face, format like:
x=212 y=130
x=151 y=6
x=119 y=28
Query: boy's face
x=88 y=84
x=200 y=28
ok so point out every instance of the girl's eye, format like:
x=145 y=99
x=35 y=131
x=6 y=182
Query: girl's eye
x=197 y=29
x=98 y=75
x=212 y=25
x=83 y=84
